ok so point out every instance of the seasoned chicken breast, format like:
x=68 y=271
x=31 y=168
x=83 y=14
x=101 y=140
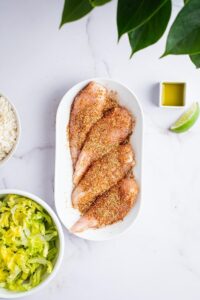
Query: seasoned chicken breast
x=102 y=175
x=88 y=107
x=110 y=131
x=111 y=207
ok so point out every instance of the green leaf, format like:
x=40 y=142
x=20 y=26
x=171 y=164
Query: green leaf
x=196 y=60
x=152 y=30
x=95 y=3
x=184 y=35
x=133 y=13
x=74 y=10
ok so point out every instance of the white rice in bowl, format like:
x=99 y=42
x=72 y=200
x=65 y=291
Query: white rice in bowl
x=8 y=128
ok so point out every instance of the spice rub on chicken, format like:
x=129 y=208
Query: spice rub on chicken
x=111 y=207
x=102 y=156
x=88 y=107
x=110 y=131
x=102 y=175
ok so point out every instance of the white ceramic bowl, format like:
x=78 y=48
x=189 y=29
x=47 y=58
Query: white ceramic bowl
x=10 y=154
x=64 y=171
x=4 y=293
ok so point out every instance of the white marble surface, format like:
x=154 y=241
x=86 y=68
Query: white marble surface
x=159 y=258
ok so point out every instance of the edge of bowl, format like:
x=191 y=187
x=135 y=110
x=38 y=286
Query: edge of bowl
x=12 y=151
x=57 y=265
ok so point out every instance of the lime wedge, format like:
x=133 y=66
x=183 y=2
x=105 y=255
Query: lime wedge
x=187 y=120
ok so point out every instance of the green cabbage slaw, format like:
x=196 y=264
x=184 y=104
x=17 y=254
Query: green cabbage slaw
x=28 y=243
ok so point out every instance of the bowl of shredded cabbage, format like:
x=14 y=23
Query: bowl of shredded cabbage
x=31 y=243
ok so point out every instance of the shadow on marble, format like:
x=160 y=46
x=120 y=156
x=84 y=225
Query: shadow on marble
x=154 y=94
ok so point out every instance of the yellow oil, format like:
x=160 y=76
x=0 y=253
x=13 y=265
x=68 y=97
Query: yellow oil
x=173 y=94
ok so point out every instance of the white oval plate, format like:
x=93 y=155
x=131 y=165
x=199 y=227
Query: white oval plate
x=63 y=167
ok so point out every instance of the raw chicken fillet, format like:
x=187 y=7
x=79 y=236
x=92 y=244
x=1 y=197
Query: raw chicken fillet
x=99 y=129
x=102 y=175
x=88 y=107
x=111 y=207
x=110 y=131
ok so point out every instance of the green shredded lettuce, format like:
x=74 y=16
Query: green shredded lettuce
x=28 y=243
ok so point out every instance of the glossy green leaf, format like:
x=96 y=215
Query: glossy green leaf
x=152 y=30
x=133 y=13
x=196 y=60
x=74 y=10
x=184 y=35
x=95 y=3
